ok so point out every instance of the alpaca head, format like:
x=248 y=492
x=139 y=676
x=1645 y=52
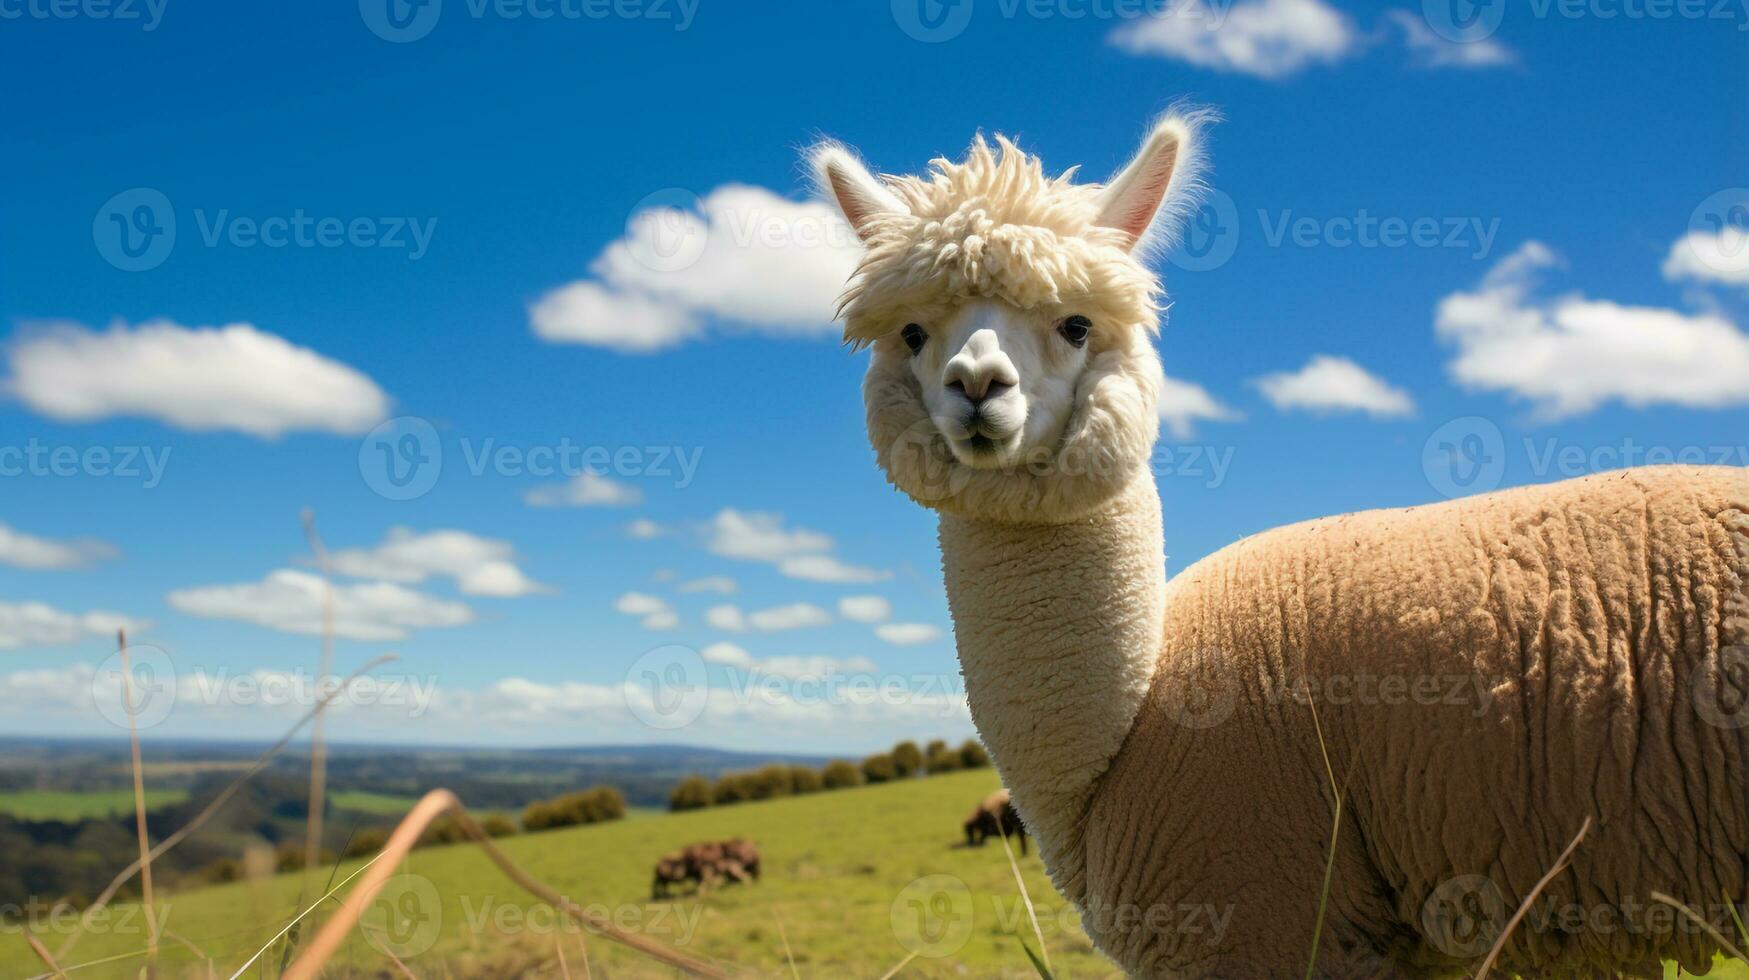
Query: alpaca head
x=1011 y=318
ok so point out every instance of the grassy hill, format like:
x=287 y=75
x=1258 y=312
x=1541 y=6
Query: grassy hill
x=841 y=872
x=849 y=879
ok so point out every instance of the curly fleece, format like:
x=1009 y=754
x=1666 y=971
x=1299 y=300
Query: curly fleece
x=1581 y=650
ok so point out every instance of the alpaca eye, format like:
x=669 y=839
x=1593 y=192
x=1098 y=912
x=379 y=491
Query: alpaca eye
x=1075 y=330
x=914 y=337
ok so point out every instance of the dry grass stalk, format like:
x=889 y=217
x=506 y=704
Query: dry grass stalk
x=127 y=681
x=318 y=758
x=433 y=805
x=1026 y=899
x=1699 y=920
x=890 y=974
x=782 y=936
x=167 y=843
x=1524 y=907
x=42 y=953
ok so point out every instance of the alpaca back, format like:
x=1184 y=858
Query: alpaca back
x=1487 y=673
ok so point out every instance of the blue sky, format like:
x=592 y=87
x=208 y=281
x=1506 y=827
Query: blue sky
x=480 y=192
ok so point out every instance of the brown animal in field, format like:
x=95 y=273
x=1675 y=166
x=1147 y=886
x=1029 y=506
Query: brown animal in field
x=995 y=815
x=707 y=864
x=670 y=871
x=743 y=853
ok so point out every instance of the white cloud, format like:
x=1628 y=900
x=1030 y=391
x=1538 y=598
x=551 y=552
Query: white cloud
x=1182 y=403
x=36 y=624
x=1708 y=256
x=655 y=611
x=479 y=566
x=737 y=657
x=720 y=584
x=727 y=654
x=798 y=553
x=1266 y=38
x=726 y=617
x=907 y=634
x=199 y=378
x=825 y=568
x=1571 y=354
x=22 y=550
x=1335 y=384
x=760 y=537
x=645 y=529
x=865 y=608
x=798 y=615
x=291 y=601
x=743 y=255
x=1430 y=50
x=640 y=604
x=586 y=489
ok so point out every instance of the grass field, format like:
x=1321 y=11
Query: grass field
x=30 y=804
x=365 y=801
x=848 y=878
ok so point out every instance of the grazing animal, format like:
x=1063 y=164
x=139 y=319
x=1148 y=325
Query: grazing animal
x=1470 y=680
x=995 y=816
x=670 y=873
x=706 y=864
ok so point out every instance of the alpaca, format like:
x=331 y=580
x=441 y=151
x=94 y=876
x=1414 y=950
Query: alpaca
x=1178 y=748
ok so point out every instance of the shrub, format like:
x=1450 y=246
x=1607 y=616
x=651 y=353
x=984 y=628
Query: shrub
x=942 y=759
x=804 y=780
x=933 y=747
x=498 y=825
x=907 y=759
x=771 y=782
x=734 y=787
x=691 y=793
x=879 y=769
x=840 y=774
x=593 y=805
x=367 y=842
x=973 y=755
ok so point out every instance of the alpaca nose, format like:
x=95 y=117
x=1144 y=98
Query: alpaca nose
x=980 y=371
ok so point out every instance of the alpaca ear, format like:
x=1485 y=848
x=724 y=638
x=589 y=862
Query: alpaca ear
x=860 y=196
x=1147 y=197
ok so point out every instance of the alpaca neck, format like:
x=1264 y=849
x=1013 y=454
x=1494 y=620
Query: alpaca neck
x=1058 y=628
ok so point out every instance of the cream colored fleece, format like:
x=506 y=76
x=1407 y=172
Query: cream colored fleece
x=1582 y=650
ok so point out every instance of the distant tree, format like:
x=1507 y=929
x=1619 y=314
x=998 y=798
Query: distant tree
x=907 y=759
x=771 y=782
x=691 y=793
x=879 y=769
x=498 y=825
x=942 y=759
x=840 y=774
x=593 y=805
x=367 y=842
x=973 y=756
x=933 y=747
x=804 y=780
x=734 y=787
